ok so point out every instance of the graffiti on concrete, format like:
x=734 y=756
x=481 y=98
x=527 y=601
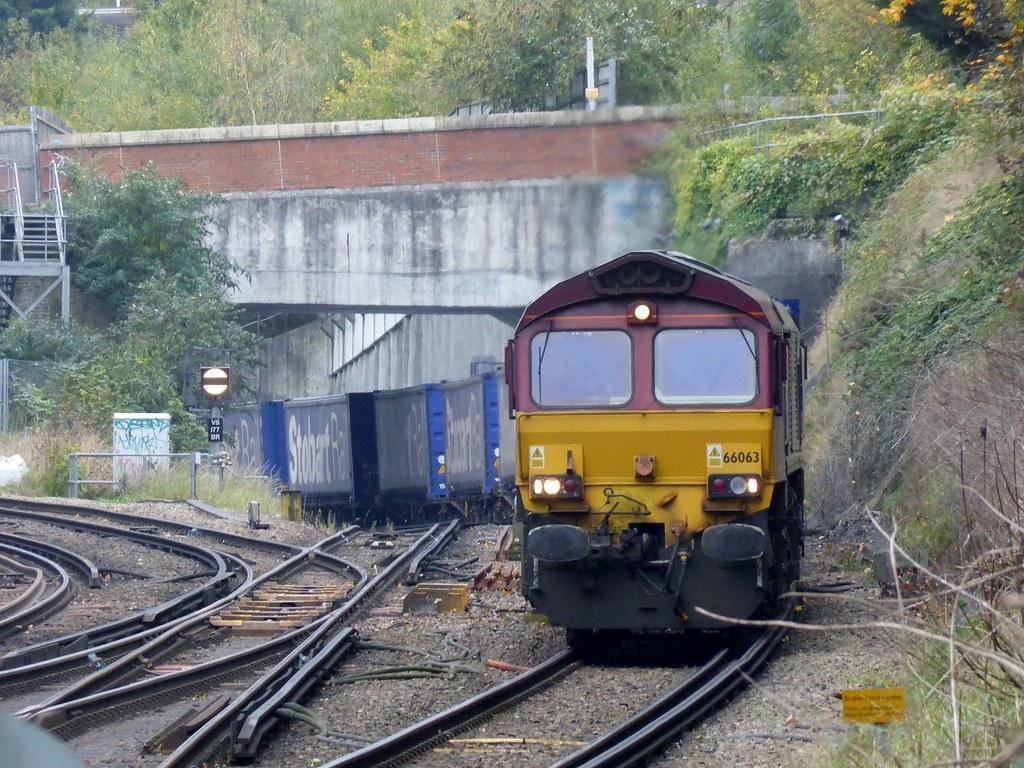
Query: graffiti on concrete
x=139 y=441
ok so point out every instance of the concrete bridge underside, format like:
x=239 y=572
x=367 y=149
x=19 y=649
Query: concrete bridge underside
x=472 y=247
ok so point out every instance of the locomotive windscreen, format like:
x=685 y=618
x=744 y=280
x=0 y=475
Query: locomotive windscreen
x=581 y=368
x=705 y=366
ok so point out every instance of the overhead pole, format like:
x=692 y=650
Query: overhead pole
x=591 y=92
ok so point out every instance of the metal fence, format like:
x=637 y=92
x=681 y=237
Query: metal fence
x=20 y=383
x=77 y=466
x=761 y=130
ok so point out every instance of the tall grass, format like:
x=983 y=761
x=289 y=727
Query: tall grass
x=46 y=451
x=233 y=493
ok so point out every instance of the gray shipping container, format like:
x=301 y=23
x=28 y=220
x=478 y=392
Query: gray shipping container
x=243 y=437
x=318 y=445
x=465 y=453
x=402 y=440
x=508 y=438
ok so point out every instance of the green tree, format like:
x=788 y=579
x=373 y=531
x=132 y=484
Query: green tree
x=396 y=77
x=39 y=16
x=147 y=228
x=523 y=55
x=138 y=367
x=766 y=29
x=191 y=64
x=136 y=245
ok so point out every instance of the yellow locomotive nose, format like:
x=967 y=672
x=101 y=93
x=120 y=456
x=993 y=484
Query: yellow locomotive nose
x=658 y=419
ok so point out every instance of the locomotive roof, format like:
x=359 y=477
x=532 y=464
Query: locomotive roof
x=649 y=273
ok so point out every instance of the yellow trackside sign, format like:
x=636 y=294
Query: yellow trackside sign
x=874 y=705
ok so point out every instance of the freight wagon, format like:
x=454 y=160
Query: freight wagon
x=414 y=452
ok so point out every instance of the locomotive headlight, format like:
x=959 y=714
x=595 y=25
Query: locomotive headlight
x=568 y=487
x=551 y=486
x=738 y=485
x=753 y=486
x=642 y=313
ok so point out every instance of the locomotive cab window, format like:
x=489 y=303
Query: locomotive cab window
x=705 y=366
x=581 y=369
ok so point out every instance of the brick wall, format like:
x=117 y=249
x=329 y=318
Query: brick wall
x=252 y=160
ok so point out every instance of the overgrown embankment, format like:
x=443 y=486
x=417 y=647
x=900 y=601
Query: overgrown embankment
x=917 y=379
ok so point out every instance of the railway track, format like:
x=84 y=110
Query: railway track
x=37 y=600
x=632 y=742
x=282 y=667
x=53 y=662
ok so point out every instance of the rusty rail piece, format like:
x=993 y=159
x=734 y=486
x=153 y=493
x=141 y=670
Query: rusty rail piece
x=636 y=740
x=86 y=640
x=39 y=607
x=503 y=547
x=255 y=711
x=92 y=688
x=436 y=729
x=441 y=535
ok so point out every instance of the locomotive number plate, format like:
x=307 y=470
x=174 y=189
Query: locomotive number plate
x=734 y=456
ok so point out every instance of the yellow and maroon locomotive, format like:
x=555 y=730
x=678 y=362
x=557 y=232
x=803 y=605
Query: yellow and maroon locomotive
x=658 y=407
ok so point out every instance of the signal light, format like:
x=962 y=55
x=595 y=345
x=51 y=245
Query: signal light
x=571 y=485
x=214 y=381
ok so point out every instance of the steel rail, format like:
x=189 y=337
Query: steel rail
x=254 y=710
x=129 y=520
x=155 y=540
x=636 y=740
x=631 y=742
x=27 y=595
x=152 y=617
x=44 y=607
x=421 y=736
x=83 y=566
x=85 y=691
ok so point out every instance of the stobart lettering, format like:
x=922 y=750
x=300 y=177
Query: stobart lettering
x=315 y=457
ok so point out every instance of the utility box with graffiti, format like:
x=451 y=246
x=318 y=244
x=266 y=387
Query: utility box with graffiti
x=142 y=441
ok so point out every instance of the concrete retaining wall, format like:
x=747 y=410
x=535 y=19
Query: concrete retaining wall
x=424 y=348
x=296 y=363
x=476 y=247
x=804 y=268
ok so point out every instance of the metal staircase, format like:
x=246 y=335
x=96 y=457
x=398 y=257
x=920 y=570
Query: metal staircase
x=32 y=242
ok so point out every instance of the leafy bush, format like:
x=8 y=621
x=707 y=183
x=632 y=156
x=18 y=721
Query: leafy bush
x=138 y=246
x=735 y=187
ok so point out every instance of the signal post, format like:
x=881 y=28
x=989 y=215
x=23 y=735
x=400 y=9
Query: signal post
x=214 y=382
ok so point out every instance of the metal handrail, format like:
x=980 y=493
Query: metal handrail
x=57 y=199
x=74 y=481
x=14 y=189
x=753 y=127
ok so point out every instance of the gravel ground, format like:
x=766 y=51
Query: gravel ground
x=574 y=711
x=283 y=531
x=495 y=626
x=790 y=715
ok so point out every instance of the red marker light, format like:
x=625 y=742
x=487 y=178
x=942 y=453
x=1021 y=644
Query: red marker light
x=718 y=485
x=571 y=485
